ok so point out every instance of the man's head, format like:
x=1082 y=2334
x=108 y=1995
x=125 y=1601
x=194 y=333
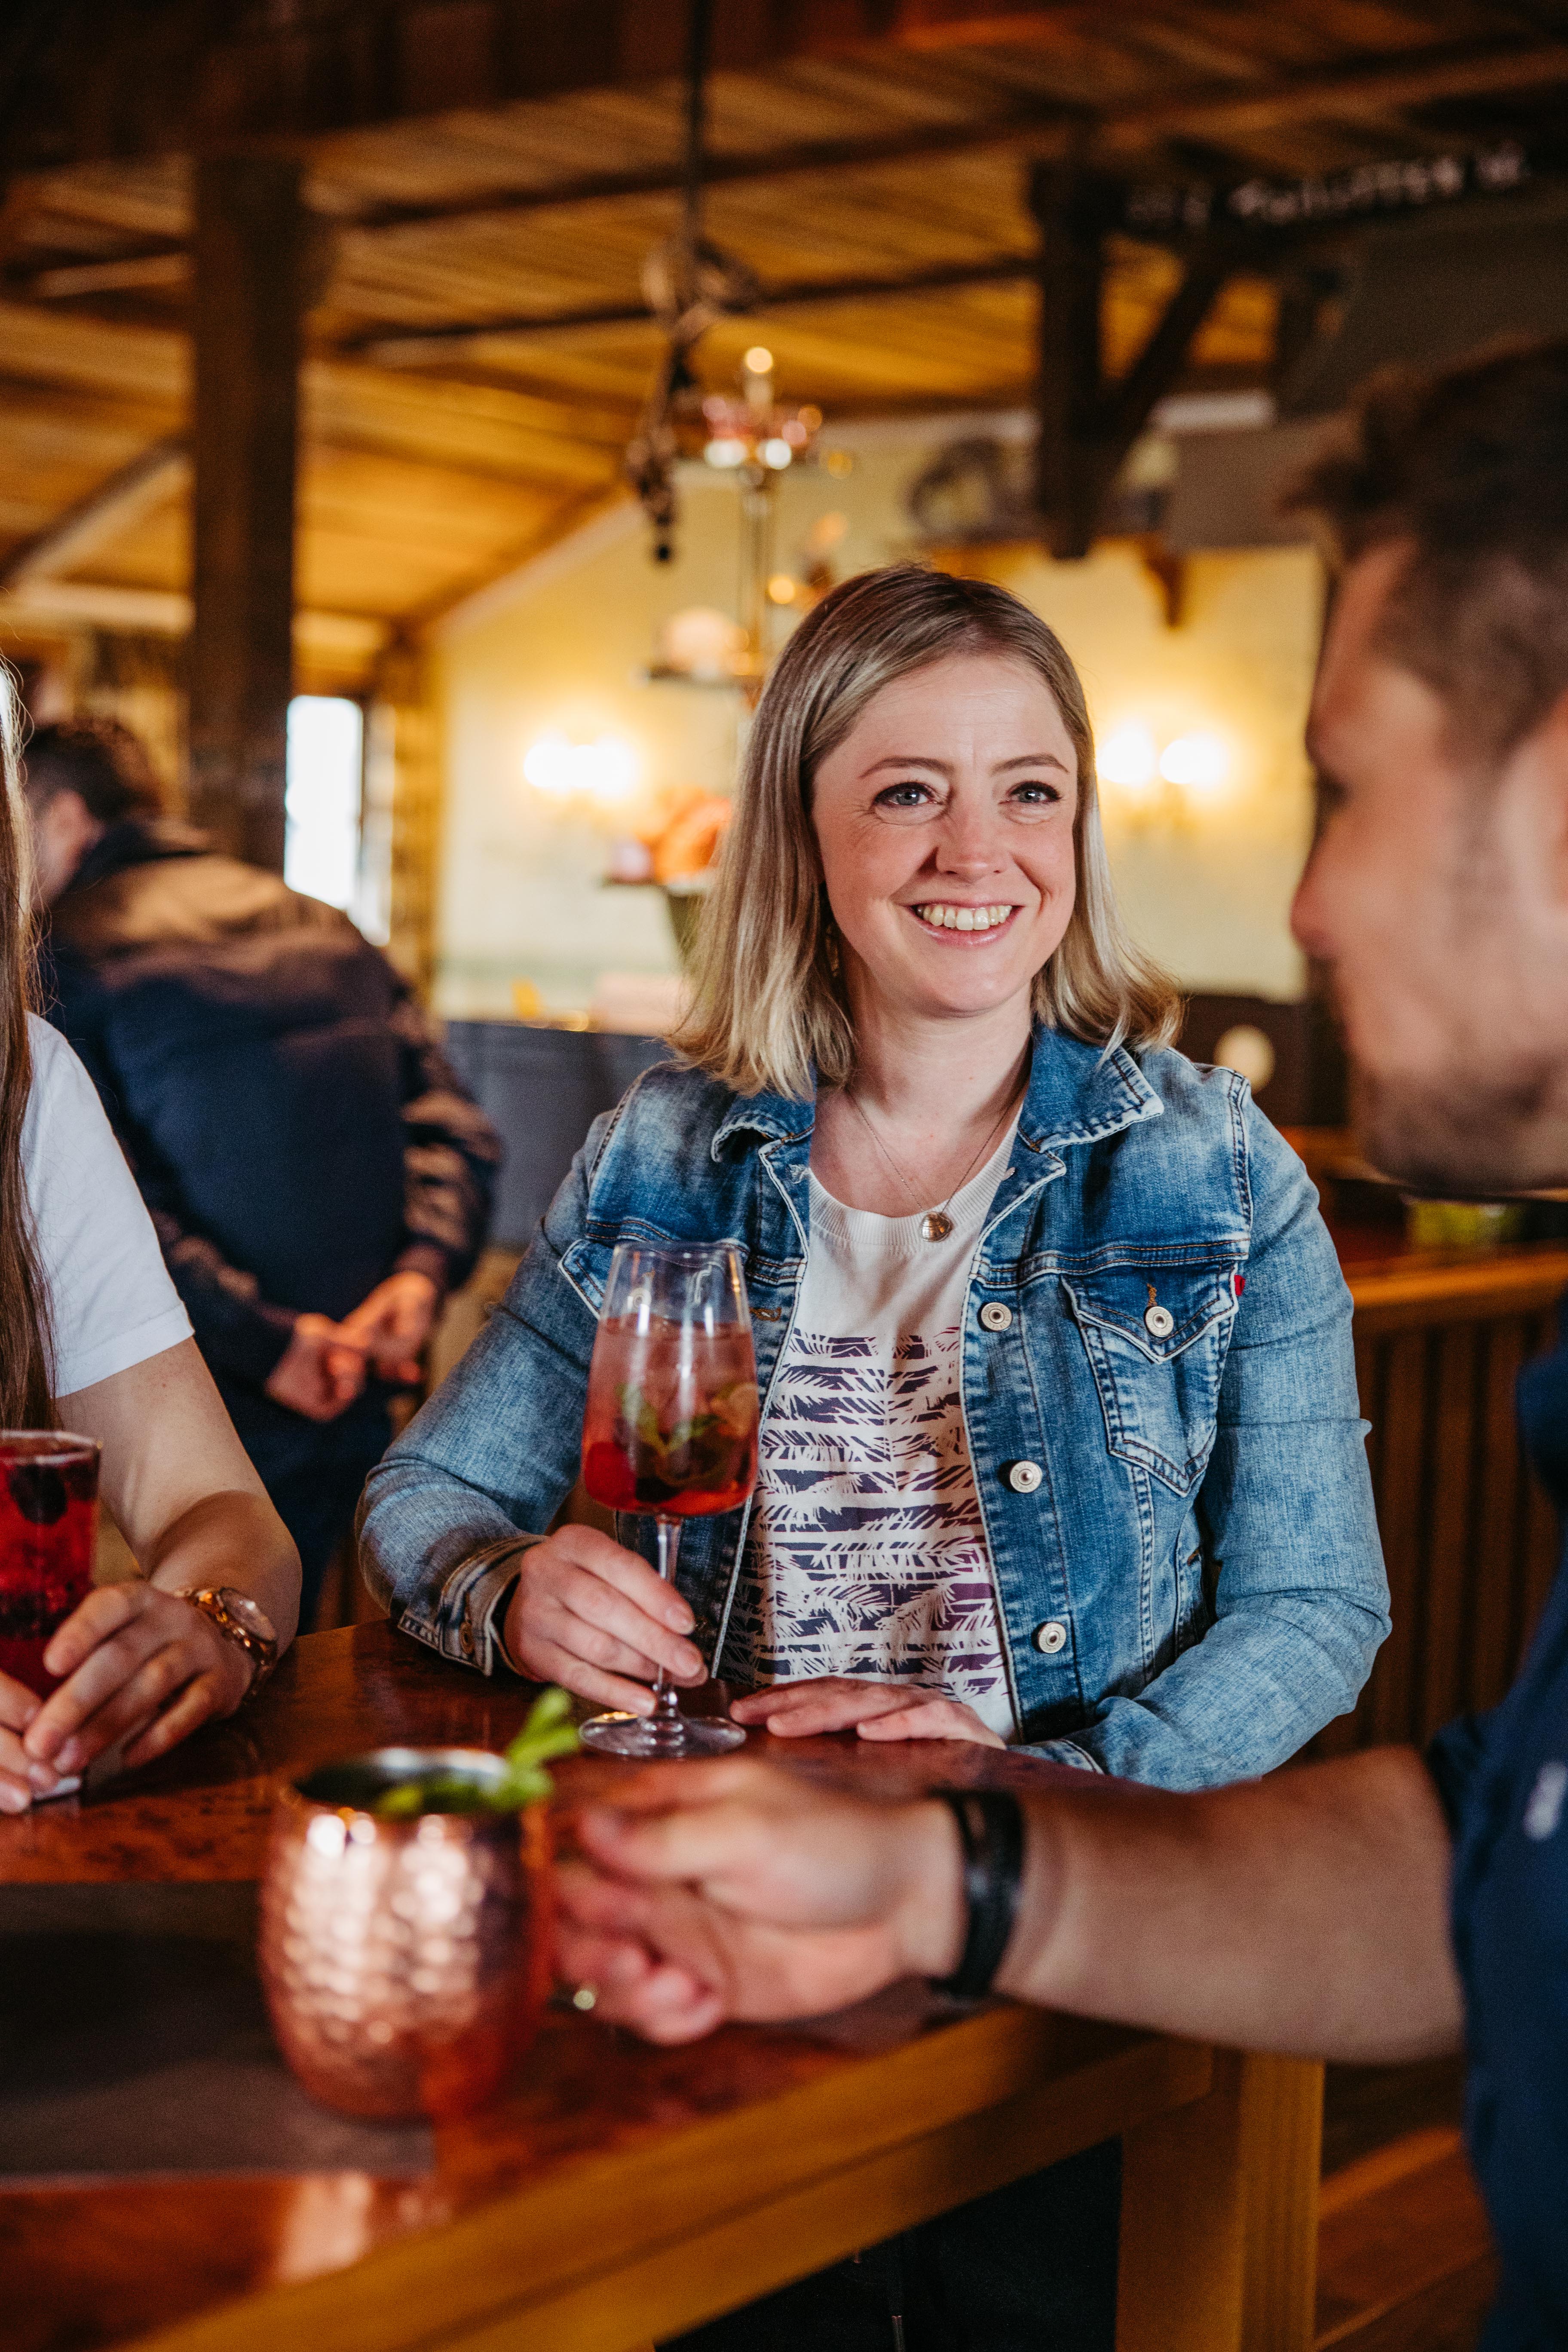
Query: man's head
x=1437 y=889
x=81 y=776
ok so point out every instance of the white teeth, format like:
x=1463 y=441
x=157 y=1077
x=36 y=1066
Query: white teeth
x=945 y=916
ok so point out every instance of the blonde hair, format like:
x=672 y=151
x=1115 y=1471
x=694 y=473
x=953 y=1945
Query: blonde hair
x=768 y=1005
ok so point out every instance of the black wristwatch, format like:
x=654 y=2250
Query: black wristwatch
x=991 y=1831
x=243 y=1622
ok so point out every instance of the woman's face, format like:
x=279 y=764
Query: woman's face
x=945 y=821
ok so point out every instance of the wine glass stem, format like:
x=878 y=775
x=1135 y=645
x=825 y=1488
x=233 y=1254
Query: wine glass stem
x=665 y=1703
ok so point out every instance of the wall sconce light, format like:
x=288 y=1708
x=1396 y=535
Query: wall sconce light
x=1171 y=780
x=603 y=773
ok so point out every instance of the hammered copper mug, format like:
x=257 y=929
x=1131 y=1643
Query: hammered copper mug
x=404 y=1961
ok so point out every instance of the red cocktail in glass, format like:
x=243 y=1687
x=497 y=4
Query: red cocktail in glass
x=48 y=1519
x=670 y=1430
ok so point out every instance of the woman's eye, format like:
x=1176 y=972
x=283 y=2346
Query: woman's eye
x=1035 y=794
x=904 y=796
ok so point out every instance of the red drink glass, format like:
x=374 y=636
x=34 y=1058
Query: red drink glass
x=670 y=1431
x=48 y=1519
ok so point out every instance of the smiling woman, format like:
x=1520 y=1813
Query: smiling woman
x=1058 y=1446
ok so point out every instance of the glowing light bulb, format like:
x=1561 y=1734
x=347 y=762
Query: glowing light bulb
x=1128 y=756
x=547 y=766
x=1198 y=763
x=603 y=771
x=777 y=453
x=758 y=360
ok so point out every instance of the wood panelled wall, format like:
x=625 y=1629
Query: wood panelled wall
x=1470 y=1540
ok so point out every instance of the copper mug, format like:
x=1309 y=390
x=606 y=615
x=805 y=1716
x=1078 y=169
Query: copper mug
x=404 y=1961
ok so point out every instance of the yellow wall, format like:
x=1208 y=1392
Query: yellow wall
x=563 y=646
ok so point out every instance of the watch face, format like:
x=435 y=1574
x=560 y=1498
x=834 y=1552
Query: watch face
x=247 y=1612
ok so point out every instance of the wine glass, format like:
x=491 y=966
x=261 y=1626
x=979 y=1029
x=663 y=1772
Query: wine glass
x=670 y=1431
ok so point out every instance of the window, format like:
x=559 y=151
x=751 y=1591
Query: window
x=321 y=835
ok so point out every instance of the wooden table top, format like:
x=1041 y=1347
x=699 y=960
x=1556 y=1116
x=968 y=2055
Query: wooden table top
x=603 y=2143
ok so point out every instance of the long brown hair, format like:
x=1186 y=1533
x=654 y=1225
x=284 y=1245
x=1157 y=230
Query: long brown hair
x=25 y=1399
x=768 y=1007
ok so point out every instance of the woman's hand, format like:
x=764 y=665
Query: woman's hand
x=21 y=1777
x=875 y=1710
x=597 y=1619
x=137 y=1666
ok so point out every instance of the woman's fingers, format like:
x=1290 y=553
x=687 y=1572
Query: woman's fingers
x=553 y=1663
x=18 y=1704
x=147 y=1645
x=197 y=1702
x=832 y=1703
x=936 y=1718
x=585 y=1609
x=603 y=1611
x=21 y=1777
x=136 y=1701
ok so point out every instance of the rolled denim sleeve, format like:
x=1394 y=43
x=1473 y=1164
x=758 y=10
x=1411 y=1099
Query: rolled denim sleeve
x=1300 y=1597
x=486 y=1464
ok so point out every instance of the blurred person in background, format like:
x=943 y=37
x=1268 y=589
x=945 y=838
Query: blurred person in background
x=93 y=1340
x=1059 y=1443
x=318 y=1177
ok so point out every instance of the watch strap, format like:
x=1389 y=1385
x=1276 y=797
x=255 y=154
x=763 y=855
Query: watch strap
x=991 y=1833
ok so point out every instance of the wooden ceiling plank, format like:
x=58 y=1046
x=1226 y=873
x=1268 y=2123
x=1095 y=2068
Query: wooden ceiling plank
x=116 y=506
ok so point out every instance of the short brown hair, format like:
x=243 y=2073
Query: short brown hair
x=1470 y=467
x=769 y=1009
x=100 y=760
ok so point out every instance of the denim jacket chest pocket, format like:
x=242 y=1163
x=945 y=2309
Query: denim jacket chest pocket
x=1156 y=1335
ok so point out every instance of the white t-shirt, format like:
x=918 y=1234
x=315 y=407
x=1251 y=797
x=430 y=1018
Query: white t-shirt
x=867 y=1555
x=112 y=1303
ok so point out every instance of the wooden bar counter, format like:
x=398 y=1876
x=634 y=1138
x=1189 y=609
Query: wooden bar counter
x=621 y=2193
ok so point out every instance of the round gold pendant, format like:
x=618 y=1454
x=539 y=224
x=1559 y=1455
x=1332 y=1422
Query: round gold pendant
x=936 y=1225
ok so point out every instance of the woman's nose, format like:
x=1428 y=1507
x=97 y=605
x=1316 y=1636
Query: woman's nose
x=968 y=844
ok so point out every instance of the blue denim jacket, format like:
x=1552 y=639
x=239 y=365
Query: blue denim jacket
x=1176 y=1503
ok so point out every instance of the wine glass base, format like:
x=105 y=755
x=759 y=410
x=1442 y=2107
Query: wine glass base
x=658 y=1743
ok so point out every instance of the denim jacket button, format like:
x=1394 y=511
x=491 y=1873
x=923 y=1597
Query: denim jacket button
x=1159 y=1322
x=1025 y=1477
x=994 y=1316
x=467 y=1635
x=1052 y=1636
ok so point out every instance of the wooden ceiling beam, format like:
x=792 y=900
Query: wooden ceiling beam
x=1378 y=88
x=1212 y=113
x=155 y=75
x=389 y=345
x=116 y=506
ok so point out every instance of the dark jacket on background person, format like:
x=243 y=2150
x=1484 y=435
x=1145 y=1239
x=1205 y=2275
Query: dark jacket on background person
x=294 y=1127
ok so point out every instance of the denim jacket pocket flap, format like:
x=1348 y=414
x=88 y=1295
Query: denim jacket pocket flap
x=1155 y=1339
x=1157 y=1309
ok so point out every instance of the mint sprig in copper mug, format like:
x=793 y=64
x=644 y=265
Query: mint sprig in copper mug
x=405 y=1926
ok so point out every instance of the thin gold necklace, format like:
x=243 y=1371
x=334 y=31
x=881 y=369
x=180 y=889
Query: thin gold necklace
x=935 y=1224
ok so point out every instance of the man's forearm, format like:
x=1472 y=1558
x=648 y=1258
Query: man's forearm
x=1306 y=1912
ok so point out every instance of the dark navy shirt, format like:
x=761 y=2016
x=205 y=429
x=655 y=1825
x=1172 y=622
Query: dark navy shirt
x=1504 y=1779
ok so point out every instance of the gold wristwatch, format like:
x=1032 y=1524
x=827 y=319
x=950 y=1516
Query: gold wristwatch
x=240 y=1621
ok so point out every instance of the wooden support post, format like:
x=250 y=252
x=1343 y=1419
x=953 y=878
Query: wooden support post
x=251 y=258
x=1219 y=2215
x=1070 y=381
x=1086 y=425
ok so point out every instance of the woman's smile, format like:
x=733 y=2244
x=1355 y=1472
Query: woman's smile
x=958 y=922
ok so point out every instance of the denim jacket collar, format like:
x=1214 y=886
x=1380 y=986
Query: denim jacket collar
x=1077 y=1094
